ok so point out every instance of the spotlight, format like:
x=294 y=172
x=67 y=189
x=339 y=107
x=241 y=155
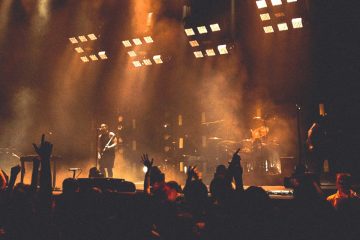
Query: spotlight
x=261 y=4
x=265 y=17
x=189 y=32
x=79 y=50
x=102 y=55
x=202 y=29
x=157 y=59
x=297 y=22
x=210 y=52
x=282 y=27
x=132 y=54
x=215 y=27
x=93 y=57
x=137 y=41
x=92 y=36
x=84 y=59
x=147 y=62
x=290 y=1
x=194 y=43
x=198 y=54
x=127 y=43
x=145 y=169
x=148 y=39
x=73 y=40
x=268 y=29
x=222 y=49
x=83 y=38
x=137 y=63
x=276 y=2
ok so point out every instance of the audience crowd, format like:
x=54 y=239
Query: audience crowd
x=165 y=210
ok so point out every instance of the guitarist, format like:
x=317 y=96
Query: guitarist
x=106 y=150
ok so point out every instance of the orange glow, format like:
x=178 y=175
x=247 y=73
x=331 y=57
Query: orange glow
x=194 y=43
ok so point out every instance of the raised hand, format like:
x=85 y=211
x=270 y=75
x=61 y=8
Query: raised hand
x=145 y=160
x=191 y=172
x=15 y=170
x=44 y=150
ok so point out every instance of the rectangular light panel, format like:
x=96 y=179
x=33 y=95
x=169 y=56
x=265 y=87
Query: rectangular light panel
x=157 y=59
x=198 y=54
x=132 y=53
x=102 y=55
x=202 y=29
x=147 y=62
x=210 y=52
x=268 y=29
x=84 y=59
x=73 y=40
x=282 y=26
x=92 y=36
x=148 y=39
x=222 y=49
x=79 y=50
x=290 y=1
x=276 y=2
x=93 y=57
x=194 y=43
x=261 y=4
x=297 y=22
x=215 y=27
x=127 y=43
x=265 y=17
x=137 y=63
x=189 y=32
x=83 y=38
x=137 y=41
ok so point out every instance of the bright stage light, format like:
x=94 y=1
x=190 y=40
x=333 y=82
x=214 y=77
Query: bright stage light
x=145 y=169
x=222 y=49
x=282 y=26
x=202 y=29
x=83 y=38
x=127 y=43
x=148 y=39
x=297 y=22
x=84 y=59
x=276 y=2
x=265 y=17
x=137 y=63
x=210 y=52
x=73 y=40
x=92 y=36
x=137 y=41
x=132 y=54
x=79 y=50
x=261 y=4
x=268 y=29
x=189 y=32
x=198 y=54
x=147 y=62
x=102 y=55
x=157 y=59
x=290 y=1
x=194 y=43
x=93 y=57
x=215 y=27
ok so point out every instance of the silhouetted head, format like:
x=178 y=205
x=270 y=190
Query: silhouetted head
x=95 y=173
x=196 y=192
x=156 y=176
x=220 y=171
x=70 y=186
x=220 y=188
x=343 y=182
x=174 y=185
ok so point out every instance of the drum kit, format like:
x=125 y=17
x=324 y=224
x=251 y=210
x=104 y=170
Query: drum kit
x=259 y=152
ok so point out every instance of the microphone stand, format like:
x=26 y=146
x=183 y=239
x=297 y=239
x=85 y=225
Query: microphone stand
x=298 y=108
x=96 y=148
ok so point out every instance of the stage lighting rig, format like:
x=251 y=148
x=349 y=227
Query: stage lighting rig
x=279 y=15
x=143 y=52
x=84 y=45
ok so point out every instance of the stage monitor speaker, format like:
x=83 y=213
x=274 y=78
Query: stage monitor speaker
x=119 y=185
